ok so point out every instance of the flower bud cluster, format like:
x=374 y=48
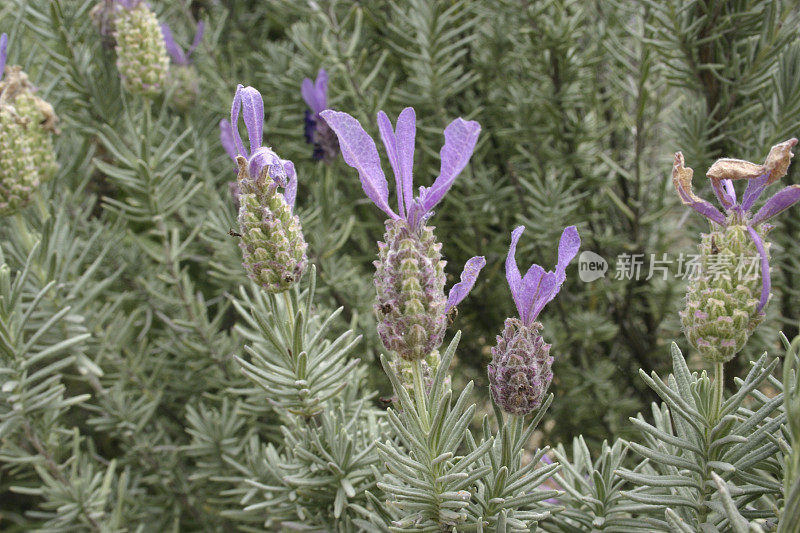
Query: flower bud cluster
x=722 y=301
x=272 y=243
x=519 y=374
x=142 y=58
x=27 y=158
x=409 y=280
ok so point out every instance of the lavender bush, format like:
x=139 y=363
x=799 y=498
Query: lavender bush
x=200 y=334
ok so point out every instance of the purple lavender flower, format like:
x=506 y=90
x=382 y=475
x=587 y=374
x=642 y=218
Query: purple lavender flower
x=272 y=243
x=722 y=175
x=317 y=131
x=226 y=139
x=409 y=278
x=519 y=374
x=724 y=304
x=175 y=51
x=3 y=53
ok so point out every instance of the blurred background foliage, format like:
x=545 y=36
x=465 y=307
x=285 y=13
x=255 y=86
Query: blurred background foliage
x=582 y=105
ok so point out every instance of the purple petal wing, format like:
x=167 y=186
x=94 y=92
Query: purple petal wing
x=780 y=201
x=765 y=277
x=754 y=189
x=253 y=114
x=173 y=49
x=390 y=143
x=406 y=135
x=198 y=38
x=551 y=283
x=545 y=291
x=236 y=107
x=290 y=192
x=226 y=138
x=460 y=138
x=359 y=151
x=321 y=90
x=512 y=272
x=265 y=162
x=723 y=189
x=682 y=180
x=307 y=91
x=3 y=53
x=460 y=290
x=531 y=286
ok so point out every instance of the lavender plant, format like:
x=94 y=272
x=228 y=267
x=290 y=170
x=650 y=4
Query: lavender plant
x=160 y=371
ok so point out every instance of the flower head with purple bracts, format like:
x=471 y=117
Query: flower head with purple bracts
x=272 y=242
x=317 y=131
x=519 y=374
x=723 y=309
x=175 y=51
x=409 y=278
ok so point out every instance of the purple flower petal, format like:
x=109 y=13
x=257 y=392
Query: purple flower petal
x=725 y=193
x=359 y=151
x=460 y=138
x=264 y=162
x=546 y=290
x=682 y=180
x=226 y=138
x=780 y=201
x=321 y=90
x=765 y=278
x=390 y=143
x=513 y=275
x=308 y=94
x=531 y=287
x=3 y=53
x=173 y=49
x=754 y=189
x=198 y=38
x=236 y=107
x=460 y=290
x=568 y=248
x=290 y=192
x=253 y=114
x=406 y=135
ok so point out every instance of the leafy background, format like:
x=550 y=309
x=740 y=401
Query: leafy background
x=133 y=278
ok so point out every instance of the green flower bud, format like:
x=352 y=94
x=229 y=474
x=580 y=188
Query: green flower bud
x=142 y=58
x=722 y=300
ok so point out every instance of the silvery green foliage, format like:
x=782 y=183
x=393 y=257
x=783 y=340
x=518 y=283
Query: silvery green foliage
x=121 y=404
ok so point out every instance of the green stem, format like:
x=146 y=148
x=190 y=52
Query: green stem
x=719 y=390
x=287 y=300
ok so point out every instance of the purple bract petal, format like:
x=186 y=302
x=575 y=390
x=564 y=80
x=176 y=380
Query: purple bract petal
x=754 y=189
x=321 y=90
x=780 y=201
x=266 y=163
x=390 y=143
x=173 y=49
x=3 y=53
x=765 y=277
x=460 y=138
x=253 y=115
x=460 y=290
x=290 y=192
x=308 y=94
x=198 y=38
x=682 y=180
x=532 y=283
x=359 y=151
x=725 y=193
x=513 y=275
x=226 y=138
x=406 y=135
x=568 y=248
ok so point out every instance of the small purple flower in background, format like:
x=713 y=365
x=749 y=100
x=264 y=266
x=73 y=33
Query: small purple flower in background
x=519 y=374
x=411 y=306
x=317 y=131
x=3 y=54
x=175 y=51
x=724 y=304
x=272 y=243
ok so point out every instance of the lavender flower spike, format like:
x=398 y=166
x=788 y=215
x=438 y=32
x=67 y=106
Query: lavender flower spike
x=317 y=131
x=272 y=243
x=411 y=306
x=723 y=309
x=520 y=371
x=3 y=53
x=179 y=57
